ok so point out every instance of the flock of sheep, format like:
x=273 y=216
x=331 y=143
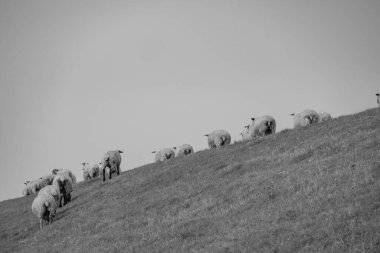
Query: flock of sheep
x=54 y=190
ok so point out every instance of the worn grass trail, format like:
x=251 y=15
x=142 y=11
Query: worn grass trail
x=315 y=189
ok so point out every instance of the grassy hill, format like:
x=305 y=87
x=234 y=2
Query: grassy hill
x=315 y=189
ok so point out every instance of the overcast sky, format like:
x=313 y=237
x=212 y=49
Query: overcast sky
x=79 y=78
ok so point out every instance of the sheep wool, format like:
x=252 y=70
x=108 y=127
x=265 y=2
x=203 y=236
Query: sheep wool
x=324 y=116
x=63 y=183
x=245 y=135
x=65 y=172
x=53 y=191
x=305 y=118
x=111 y=160
x=164 y=154
x=184 y=149
x=218 y=138
x=262 y=126
x=90 y=171
x=44 y=207
x=30 y=188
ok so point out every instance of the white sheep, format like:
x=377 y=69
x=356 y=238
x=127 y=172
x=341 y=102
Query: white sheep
x=112 y=161
x=262 y=126
x=245 y=135
x=164 y=154
x=218 y=138
x=64 y=184
x=66 y=173
x=184 y=149
x=305 y=118
x=44 y=206
x=54 y=191
x=324 y=116
x=32 y=187
x=45 y=181
x=90 y=171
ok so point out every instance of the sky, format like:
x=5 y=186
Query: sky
x=79 y=78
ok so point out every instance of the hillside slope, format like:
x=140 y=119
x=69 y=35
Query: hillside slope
x=315 y=189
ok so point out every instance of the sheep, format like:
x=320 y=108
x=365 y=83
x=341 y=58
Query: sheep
x=305 y=118
x=164 y=154
x=54 y=191
x=324 y=116
x=218 y=138
x=44 y=206
x=65 y=187
x=45 y=181
x=184 y=149
x=378 y=99
x=245 y=135
x=32 y=187
x=111 y=160
x=262 y=126
x=66 y=173
x=90 y=171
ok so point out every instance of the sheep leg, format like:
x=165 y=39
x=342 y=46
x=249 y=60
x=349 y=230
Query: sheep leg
x=118 y=170
x=41 y=223
x=60 y=201
x=104 y=174
x=110 y=172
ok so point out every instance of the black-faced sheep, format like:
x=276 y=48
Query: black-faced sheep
x=324 y=116
x=218 y=138
x=262 y=126
x=111 y=160
x=184 y=149
x=90 y=171
x=164 y=154
x=305 y=118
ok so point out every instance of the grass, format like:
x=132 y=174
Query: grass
x=315 y=189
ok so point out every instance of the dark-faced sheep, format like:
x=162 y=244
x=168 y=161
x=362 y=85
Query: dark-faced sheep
x=184 y=149
x=90 y=171
x=262 y=126
x=111 y=160
x=218 y=138
x=324 y=116
x=164 y=154
x=305 y=118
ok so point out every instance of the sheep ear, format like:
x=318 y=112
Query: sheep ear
x=253 y=119
x=174 y=148
x=292 y=114
x=153 y=152
x=206 y=135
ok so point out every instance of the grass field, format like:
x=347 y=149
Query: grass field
x=315 y=189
